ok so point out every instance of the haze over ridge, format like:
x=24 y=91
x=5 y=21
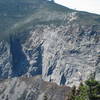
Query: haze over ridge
x=92 y=6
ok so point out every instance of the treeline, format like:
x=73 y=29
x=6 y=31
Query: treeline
x=90 y=90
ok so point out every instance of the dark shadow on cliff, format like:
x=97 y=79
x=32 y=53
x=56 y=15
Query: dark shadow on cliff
x=38 y=64
x=19 y=60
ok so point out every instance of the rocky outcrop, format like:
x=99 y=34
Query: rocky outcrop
x=5 y=60
x=65 y=55
x=69 y=53
x=32 y=89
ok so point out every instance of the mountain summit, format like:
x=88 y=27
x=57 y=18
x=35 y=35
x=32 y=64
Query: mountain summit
x=16 y=16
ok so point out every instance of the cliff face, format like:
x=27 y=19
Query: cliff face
x=5 y=60
x=66 y=55
x=58 y=43
x=31 y=89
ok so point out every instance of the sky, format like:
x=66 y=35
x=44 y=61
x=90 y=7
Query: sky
x=92 y=6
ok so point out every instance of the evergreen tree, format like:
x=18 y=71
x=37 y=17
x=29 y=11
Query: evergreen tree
x=72 y=94
x=93 y=89
x=88 y=91
x=82 y=93
x=45 y=97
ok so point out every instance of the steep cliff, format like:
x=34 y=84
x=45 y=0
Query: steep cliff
x=61 y=44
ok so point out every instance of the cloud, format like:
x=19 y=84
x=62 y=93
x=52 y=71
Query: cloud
x=92 y=6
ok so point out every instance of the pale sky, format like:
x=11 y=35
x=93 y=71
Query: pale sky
x=92 y=6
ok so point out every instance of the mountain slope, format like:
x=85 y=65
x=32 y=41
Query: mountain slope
x=31 y=89
x=61 y=44
x=19 y=15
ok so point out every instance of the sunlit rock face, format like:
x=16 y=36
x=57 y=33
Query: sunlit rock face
x=58 y=43
x=69 y=53
x=31 y=89
x=66 y=55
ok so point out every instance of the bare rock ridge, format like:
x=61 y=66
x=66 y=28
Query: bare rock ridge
x=32 y=89
x=61 y=44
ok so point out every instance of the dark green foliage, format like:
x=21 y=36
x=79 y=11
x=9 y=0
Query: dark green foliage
x=79 y=94
x=93 y=89
x=88 y=91
x=92 y=83
x=72 y=94
x=45 y=97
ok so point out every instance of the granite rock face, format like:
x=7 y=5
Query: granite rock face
x=31 y=89
x=65 y=55
x=69 y=54
x=5 y=60
x=58 y=43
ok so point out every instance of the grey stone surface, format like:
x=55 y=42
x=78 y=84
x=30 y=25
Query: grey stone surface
x=61 y=44
x=31 y=89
